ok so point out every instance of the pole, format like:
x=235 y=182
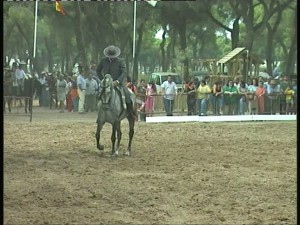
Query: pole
x=34 y=54
x=133 y=39
x=35 y=29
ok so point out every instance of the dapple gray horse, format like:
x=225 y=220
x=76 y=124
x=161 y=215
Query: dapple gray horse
x=110 y=110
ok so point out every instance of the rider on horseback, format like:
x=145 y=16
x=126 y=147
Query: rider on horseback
x=115 y=66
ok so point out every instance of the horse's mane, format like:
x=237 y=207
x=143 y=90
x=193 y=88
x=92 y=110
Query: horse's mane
x=107 y=81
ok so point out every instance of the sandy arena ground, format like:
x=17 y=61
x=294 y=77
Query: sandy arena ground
x=179 y=173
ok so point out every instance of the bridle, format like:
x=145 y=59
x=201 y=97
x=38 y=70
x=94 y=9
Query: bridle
x=106 y=88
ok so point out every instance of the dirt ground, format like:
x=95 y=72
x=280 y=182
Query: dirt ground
x=179 y=173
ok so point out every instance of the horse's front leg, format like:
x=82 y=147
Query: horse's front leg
x=113 y=140
x=119 y=136
x=99 y=128
x=131 y=122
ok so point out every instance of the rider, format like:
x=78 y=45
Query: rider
x=115 y=66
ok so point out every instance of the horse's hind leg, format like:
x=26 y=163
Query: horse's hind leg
x=131 y=121
x=99 y=128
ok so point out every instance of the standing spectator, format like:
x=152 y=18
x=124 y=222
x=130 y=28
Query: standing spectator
x=74 y=96
x=14 y=80
x=230 y=95
x=43 y=98
x=242 y=91
x=294 y=88
x=90 y=94
x=20 y=76
x=52 y=84
x=94 y=75
x=149 y=103
x=252 y=99
x=169 y=91
x=131 y=87
x=210 y=98
x=69 y=104
x=259 y=95
x=191 y=96
x=61 y=85
x=202 y=93
x=217 y=98
x=284 y=83
x=267 y=100
x=81 y=88
x=273 y=93
x=289 y=94
x=140 y=99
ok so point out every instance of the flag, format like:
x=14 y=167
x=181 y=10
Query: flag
x=58 y=8
x=151 y=2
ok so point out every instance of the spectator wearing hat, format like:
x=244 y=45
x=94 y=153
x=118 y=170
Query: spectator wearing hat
x=81 y=88
x=115 y=66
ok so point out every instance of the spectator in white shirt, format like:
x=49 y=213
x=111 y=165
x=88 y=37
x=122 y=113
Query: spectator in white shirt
x=169 y=91
x=81 y=88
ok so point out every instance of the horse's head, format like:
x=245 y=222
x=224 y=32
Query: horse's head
x=106 y=86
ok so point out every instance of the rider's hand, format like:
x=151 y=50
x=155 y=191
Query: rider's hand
x=115 y=83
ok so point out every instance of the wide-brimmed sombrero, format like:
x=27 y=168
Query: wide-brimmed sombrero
x=112 y=51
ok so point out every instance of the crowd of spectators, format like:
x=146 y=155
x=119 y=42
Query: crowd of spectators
x=236 y=97
x=78 y=92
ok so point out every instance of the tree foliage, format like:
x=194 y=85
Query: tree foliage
x=206 y=29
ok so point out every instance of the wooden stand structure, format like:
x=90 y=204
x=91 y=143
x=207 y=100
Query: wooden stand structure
x=236 y=63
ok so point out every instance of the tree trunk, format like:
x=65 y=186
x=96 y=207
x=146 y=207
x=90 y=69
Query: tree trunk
x=140 y=32
x=291 y=59
x=49 y=54
x=292 y=55
x=79 y=38
x=235 y=33
x=270 y=42
x=163 y=52
x=182 y=42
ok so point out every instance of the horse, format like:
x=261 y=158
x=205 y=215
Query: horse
x=111 y=110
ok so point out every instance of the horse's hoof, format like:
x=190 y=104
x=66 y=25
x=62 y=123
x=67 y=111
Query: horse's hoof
x=127 y=153
x=99 y=151
x=100 y=147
